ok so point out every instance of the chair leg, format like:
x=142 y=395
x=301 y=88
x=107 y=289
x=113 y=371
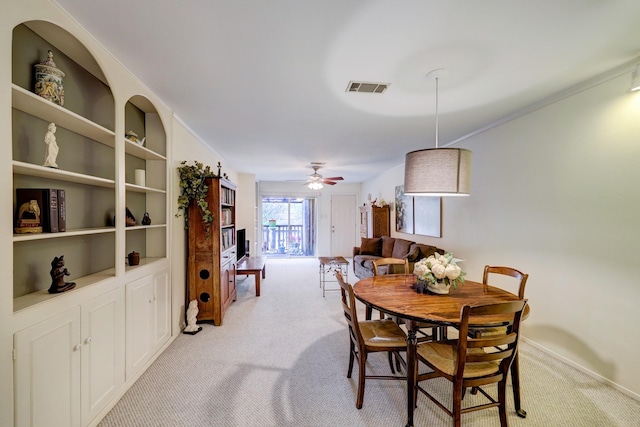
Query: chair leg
x=368 y=312
x=398 y=364
x=515 y=382
x=457 y=404
x=502 y=400
x=362 y=362
x=391 y=362
x=351 y=357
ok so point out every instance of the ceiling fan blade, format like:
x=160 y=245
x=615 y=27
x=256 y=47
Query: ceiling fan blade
x=324 y=181
x=335 y=178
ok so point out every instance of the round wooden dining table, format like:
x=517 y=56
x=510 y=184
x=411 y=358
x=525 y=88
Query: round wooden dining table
x=395 y=294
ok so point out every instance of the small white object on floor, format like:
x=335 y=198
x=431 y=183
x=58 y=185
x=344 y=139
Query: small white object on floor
x=192 y=317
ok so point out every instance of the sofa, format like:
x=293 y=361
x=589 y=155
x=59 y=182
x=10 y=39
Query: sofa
x=371 y=249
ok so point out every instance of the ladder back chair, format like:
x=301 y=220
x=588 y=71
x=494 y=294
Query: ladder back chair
x=387 y=266
x=473 y=362
x=393 y=267
x=369 y=336
x=501 y=330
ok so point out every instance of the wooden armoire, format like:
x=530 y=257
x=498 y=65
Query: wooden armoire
x=374 y=221
x=212 y=258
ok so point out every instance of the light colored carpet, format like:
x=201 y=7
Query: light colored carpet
x=281 y=360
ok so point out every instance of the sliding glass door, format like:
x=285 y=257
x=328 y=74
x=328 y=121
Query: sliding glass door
x=288 y=226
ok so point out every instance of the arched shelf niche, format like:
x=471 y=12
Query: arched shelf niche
x=86 y=162
x=145 y=156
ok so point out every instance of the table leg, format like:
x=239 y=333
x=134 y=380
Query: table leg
x=264 y=272
x=515 y=382
x=257 y=276
x=412 y=342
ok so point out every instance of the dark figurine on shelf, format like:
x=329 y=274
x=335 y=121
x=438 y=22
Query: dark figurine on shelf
x=134 y=258
x=219 y=167
x=130 y=220
x=145 y=219
x=58 y=271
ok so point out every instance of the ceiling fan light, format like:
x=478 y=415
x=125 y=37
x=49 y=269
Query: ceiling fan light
x=317 y=185
x=438 y=172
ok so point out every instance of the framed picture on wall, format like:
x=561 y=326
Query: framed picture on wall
x=427 y=214
x=418 y=215
x=404 y=211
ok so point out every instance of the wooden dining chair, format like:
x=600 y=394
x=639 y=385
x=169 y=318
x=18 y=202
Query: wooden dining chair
x=473 y=362
x=369 y=336
x=383 y=265
x=401 y=266
x=501 y=330
x=390 y=264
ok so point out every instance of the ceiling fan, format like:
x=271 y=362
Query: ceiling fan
x=316 y=181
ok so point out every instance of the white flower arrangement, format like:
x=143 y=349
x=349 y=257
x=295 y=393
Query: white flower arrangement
x=440 y=268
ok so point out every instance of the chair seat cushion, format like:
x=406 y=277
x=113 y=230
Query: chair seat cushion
x=443 y=355
x=382 y=333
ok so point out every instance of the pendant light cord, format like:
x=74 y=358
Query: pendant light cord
x=436 y=112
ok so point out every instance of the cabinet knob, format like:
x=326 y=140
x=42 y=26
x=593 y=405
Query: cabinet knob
x=77 y=347
x=88 y=340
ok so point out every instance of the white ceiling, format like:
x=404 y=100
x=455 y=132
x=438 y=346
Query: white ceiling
x=263 y=82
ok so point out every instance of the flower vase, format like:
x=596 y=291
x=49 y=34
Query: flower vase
x=438 y=287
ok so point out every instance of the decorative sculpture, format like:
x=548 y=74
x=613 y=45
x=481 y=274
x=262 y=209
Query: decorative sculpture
x=192 y=317
x=58 y=271
x=129 y=220
x=28 y=220
x=145 y=219
x=49 y=81
x=219 y=167
x=52 y=147
x=134 y=258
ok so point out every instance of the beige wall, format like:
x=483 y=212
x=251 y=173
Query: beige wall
x=555 y=194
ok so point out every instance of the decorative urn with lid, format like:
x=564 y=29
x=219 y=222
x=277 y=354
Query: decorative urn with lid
x=49 y=81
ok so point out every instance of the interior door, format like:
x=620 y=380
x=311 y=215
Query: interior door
x=343 y=224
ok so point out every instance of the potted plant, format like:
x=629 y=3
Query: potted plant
x=193 y=187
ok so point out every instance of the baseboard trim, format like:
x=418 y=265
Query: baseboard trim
x=581 y=368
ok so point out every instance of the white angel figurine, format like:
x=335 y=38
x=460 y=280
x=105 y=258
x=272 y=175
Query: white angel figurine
x=52 y=147
x=192 y=317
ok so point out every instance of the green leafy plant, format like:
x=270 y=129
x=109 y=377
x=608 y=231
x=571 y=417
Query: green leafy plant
x=193 y=187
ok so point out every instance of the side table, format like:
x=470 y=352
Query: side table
x=332 y=265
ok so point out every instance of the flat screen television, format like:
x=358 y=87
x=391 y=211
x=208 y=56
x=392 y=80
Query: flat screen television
x=241 y=243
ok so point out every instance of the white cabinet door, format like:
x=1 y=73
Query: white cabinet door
x=162 y=307
x=47 y=372
x=140 y=323
x=102 y=351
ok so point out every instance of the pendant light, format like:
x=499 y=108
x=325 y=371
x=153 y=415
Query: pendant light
x=437 y=171
x=635 y=79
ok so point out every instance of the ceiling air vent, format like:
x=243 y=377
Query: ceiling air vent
x=367 y=87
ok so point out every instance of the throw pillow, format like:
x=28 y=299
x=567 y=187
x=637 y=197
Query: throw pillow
x=371 y=246
x=414 y=253
x=401 y=248
x=427 y=250
x=387 y=246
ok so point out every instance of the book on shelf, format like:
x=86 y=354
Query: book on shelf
x=47 y=200
x=62 y=211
